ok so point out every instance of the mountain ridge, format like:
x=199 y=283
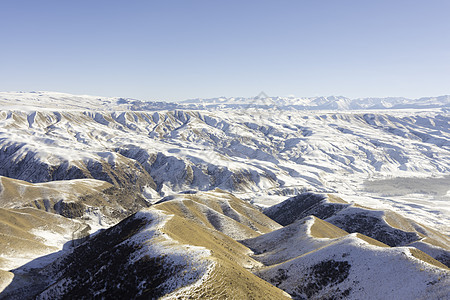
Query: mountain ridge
x=49 y=100
x=174 y=189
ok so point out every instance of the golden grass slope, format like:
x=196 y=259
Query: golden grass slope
x=426 y=258
x=20 y=237
x=322 y=229
x=397 y=221
x=188 y=225
x=428 y=240
x=14 y=192
x=229 y=279
x=214 y=220
x=5 y=279
x=221 y=211
x=77 y=198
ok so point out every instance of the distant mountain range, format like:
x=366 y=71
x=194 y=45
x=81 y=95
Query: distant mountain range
x=50 y=100
x=324 y=103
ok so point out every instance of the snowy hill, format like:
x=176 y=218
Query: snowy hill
x=382 y=225
x=262 y=155
x=164 y=251
x=352 y=268
x=372 y=172
x=155 y=253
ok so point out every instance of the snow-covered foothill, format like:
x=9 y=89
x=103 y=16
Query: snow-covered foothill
x=352 y=268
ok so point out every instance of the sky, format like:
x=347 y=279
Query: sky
x=173 y=50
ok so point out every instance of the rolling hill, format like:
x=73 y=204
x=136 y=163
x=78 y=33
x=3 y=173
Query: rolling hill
x=304 y=198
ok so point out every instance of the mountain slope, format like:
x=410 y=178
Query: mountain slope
x=313 y=259
x=28 y=233
x=152 y=254
x=220 y=211
x=321 y=103
x=171 y=250
x=94 y=202
x=351 y=268
x=382 y=225
x=259 y=154
x=195 y=177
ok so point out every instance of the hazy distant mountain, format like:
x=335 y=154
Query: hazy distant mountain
x=324 y=103
x=61 y=101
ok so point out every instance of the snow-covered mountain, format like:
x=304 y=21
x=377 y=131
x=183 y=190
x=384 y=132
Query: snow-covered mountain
x=377 y=170
x=61 y=101
x=263 y=155
x=322 y=103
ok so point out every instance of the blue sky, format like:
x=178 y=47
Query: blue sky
x=173 y=50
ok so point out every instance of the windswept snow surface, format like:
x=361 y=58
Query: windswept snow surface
x=350 y=268
x=380 y=157
x=312 y=259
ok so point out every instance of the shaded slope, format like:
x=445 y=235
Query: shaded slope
x=350 y=268
x=313 y=259
x=385 y=226
x=373 y=224
x=152 y=254
x=176 y=249
x=296 y=239
x=236 y=150
x=92 y=201
x=303 y=205
x=231 y=258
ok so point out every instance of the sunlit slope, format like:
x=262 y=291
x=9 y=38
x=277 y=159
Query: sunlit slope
x=253 y=151
x=154 y=254
x=92 y=201
x=314 y=259
x=231 y=258
x=221 y=211
x=383 y=225
x=56 y=101
x=28 y=233
x=293 y=240
x=306 y=235
x=262 y=101
x=64 y=101
x=78 y=162
x=354 y=269
x=5 y=279
x=14 y=193
x=186 y=246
